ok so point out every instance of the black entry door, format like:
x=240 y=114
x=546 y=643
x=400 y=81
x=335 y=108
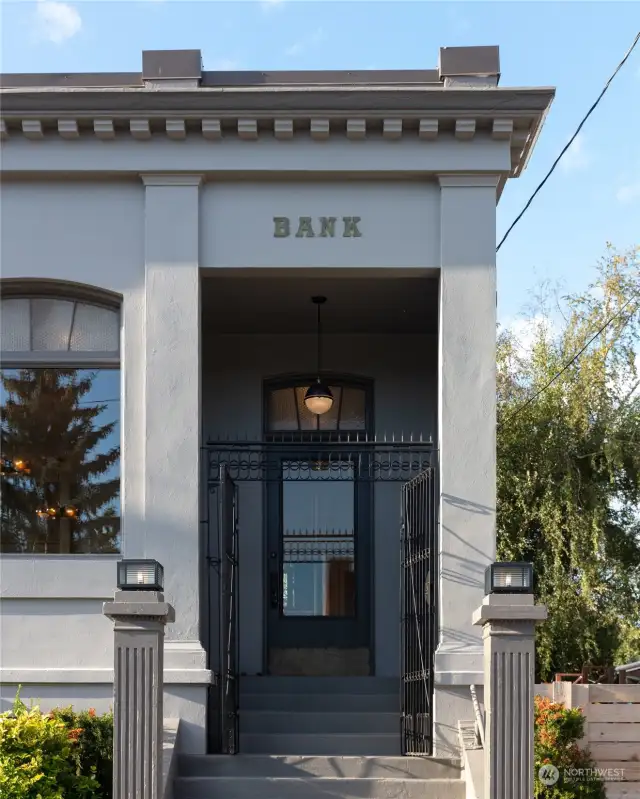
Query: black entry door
x=318 y=552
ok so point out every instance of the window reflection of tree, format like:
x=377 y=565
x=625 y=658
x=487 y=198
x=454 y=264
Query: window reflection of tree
x=66 y=499
x=59 y=415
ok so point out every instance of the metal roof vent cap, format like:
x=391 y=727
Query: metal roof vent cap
x=469 y=67
x=171 y=69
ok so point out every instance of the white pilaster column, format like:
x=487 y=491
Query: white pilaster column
x=139 y=620
x=509 y=623
x=172 y=399
x=467 y=439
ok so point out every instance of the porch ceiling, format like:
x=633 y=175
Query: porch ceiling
x=354 y=305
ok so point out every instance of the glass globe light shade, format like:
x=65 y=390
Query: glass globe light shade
x=318 y=398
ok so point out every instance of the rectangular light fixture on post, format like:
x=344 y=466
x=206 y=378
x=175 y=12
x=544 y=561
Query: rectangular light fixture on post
x=509 y=578
x=140 y=575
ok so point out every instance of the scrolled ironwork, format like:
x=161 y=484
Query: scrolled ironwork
x=317 y=457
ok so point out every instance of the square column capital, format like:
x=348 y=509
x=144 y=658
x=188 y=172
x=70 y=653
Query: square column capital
x=470 y=180
x=509 y=607
x=171 y=179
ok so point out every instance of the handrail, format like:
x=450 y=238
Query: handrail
x=629 y=666
x=478 y=715
x=629 y=671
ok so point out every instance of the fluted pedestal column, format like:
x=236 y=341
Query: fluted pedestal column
x=509 y=622
x=139 y=622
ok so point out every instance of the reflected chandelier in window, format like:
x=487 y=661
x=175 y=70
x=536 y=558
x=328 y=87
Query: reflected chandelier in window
x=60 y=414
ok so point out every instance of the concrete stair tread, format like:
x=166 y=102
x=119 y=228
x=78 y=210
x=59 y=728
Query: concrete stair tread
x=312 y=702
x=270 y=712
x=268 y=722
x=320 y=743
x=320 y=787
x=324 y=685
x=345 y=766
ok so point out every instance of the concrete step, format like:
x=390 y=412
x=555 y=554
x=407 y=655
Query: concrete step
x=318 y=766
x=319 y=685
x=269 y=721
x=306 y=703
x=319 y=744
x=316 y=788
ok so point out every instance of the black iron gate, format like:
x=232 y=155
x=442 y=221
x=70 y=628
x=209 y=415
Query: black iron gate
x=222 y=558
x=418 y=609
x=409 y=463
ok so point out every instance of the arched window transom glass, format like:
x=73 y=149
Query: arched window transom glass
x=45 y=324
x=286 y=411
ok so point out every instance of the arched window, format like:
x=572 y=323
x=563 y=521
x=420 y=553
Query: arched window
x=60 y=413
x=287 y=413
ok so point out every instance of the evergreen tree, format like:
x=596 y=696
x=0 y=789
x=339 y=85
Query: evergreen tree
x=52 y=459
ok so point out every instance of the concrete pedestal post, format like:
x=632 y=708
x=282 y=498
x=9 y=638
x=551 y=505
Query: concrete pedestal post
x=509 y=622
x=139 y=620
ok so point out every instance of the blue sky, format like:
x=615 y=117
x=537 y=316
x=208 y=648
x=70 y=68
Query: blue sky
x=592 y=198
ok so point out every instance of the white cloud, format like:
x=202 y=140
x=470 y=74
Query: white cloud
x=577 y=156
x=56 y=21
x=297 y=48
x=628 y=193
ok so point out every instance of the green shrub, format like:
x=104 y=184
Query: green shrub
x=92 y=754
x=58 y=755
x=557 y=731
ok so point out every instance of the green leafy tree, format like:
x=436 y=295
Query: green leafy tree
x=59 y=443
x=569 y=466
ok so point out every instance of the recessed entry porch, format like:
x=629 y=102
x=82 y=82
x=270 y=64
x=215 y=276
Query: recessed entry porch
x=302 y=540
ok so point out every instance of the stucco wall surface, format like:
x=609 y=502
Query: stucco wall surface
x=147 y=239
x=88 y=233
x=399 y=223
x=265 y=157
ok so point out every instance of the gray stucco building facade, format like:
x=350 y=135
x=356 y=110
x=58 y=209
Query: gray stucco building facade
x=163 y=235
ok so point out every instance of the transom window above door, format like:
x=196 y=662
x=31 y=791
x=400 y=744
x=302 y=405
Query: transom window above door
x=52 y=324
x=287 y=412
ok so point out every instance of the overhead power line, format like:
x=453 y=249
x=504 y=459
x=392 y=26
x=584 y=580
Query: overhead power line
x=571 y=140
x=577 y=355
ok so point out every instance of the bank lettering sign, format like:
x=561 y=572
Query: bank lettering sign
x=324 y=227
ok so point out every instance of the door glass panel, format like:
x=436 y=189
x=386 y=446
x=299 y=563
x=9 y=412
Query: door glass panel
x=318 y=570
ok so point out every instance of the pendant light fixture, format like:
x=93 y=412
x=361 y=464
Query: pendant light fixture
x=319 y=398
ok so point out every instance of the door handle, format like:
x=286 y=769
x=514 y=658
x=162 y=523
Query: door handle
x=274 y=581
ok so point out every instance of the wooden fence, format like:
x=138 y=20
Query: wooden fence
x=612 y=730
